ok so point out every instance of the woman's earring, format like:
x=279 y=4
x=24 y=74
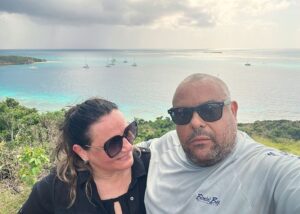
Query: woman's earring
x=85 y=162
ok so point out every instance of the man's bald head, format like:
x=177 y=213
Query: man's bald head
x=196 y=79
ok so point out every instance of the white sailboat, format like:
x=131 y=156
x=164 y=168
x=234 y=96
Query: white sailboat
x=86 y=66
x=134 y=64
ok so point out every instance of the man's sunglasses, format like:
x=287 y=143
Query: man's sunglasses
x=113 y=146
x=209 y=112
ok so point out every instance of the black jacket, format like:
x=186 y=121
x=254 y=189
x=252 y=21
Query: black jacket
x=51 y=195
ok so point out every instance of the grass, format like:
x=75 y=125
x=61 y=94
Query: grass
x=285 y=145
x=12 y=201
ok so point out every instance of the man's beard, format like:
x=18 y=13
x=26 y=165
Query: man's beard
x=218 y=150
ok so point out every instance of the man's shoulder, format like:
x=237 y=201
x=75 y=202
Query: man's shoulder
x=248 y=144
x=252 y=150
x=167 y=141
x=168 y=138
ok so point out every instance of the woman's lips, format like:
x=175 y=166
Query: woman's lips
x=124 y=157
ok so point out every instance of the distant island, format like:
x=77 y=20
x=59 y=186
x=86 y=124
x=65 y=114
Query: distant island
x=18 y=60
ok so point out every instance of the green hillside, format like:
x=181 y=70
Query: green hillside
x=27 y=140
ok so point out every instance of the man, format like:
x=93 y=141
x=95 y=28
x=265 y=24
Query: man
x=208 y=166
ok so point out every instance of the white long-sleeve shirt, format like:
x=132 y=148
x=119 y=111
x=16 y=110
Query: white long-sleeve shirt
x=252 y=179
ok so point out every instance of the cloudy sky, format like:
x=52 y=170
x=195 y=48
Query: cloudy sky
x=173 y=24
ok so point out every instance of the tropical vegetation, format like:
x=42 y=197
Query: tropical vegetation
x=27 y=142
x=18 y=60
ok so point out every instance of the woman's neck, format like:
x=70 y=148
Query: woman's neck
x=113 y=184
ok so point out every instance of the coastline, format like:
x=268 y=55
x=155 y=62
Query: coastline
x=18 y=60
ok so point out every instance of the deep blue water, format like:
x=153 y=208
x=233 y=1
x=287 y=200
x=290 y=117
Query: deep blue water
x=268 y=89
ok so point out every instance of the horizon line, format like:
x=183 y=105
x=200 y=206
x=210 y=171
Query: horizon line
x=137 y=49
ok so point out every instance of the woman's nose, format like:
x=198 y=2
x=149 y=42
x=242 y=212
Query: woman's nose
x=126 y=145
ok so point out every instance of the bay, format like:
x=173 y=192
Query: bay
x=267 y=89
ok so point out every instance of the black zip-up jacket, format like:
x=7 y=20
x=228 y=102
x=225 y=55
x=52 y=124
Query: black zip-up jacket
x=51 y=195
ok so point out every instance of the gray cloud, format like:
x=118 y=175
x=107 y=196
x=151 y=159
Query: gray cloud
x=194 y=13
x=107 y=12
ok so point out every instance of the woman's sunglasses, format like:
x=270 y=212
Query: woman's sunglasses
x=113 y=146
x=209 y=112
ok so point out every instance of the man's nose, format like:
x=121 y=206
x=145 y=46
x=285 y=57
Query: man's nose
x=196 y=121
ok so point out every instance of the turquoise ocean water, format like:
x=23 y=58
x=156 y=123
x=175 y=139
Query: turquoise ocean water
x=268 y=89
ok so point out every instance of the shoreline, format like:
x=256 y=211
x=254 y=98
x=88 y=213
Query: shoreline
x=52 y=105
x=18 y=60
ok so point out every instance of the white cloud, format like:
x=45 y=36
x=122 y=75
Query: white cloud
x=259 y=7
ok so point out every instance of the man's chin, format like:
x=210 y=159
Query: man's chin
x=203 y=160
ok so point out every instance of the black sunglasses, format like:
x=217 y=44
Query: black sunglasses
x=113 y=146
x=209 y=112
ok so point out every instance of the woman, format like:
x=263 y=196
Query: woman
x=98 y=170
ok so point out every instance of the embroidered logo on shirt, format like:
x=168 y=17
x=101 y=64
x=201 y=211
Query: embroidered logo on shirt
x=271 y=153
x=208 y=200
x=282 y=154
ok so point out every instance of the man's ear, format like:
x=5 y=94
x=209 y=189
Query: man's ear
x=80 y=152
x=234 y=108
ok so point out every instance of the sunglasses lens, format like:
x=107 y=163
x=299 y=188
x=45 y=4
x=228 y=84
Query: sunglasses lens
x=210 y=112
x=181 y=116
x=113 y=146
x=131 y=132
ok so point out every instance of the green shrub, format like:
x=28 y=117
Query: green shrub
x=153 y=129
x=32 y=162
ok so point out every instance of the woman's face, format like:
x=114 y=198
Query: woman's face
x=107 y=127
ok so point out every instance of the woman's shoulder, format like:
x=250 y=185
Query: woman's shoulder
x=49 y=182
x=40 y=198
x=50 y=187
x=45 y=183
x=144 y=155
x=144 y=151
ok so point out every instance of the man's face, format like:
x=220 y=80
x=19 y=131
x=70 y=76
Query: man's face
x=206 y=143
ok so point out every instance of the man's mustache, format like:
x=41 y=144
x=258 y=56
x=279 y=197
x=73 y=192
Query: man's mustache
x=200 y=132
